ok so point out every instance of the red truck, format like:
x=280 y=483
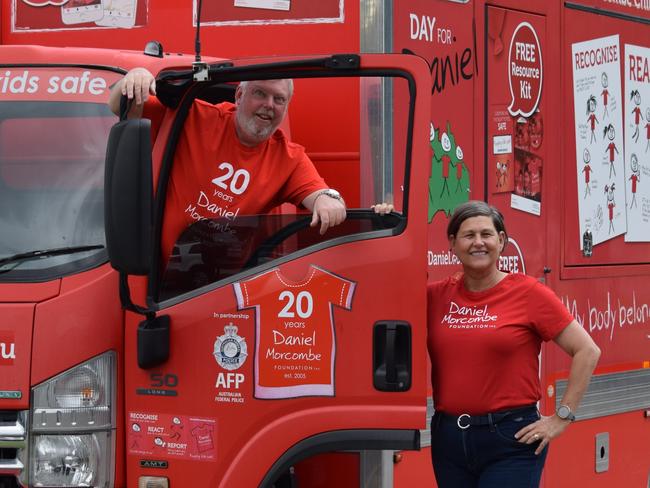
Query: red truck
x=539 y=110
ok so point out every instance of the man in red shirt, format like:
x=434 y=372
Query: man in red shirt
x=233 y=160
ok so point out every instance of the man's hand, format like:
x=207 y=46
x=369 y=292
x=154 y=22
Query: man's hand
x=136 y=85
x=383 y=208
x=328 y=211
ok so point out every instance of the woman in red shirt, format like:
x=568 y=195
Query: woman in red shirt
x=485 y=332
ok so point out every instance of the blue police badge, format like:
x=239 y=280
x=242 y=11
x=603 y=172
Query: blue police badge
x=230 y=350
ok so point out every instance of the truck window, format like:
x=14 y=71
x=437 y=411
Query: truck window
x=358 y=146
x=51 y=187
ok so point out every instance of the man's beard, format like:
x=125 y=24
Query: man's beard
x=253 y=129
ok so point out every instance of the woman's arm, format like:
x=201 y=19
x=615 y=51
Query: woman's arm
x=575 y=341
x=584 y=352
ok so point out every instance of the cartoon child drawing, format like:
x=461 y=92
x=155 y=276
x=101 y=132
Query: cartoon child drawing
x=536 y=130
x=498 y=174
x=176 y=429
x=591 y=117
x=522 y=135
x=527 y=182
x=459 y=167
x=609 y=190
x=446 y=161
x=505 y=167
x=519 y=182
x=638 y=116
x=605 y=93
x=586 y=158
x=635 y=177
x=136 y=436
x=611 y=147
x=502 y=173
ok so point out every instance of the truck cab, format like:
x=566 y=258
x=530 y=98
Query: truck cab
x=267 y=342
x=62 y=322
x=283 y=344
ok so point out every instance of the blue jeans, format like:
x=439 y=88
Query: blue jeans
x=485 y=456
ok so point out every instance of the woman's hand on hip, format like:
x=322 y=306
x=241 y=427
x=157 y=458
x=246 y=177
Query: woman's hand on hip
x=542 y=431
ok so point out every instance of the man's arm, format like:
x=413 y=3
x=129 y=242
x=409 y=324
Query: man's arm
x=136 y=85
x=325 y=209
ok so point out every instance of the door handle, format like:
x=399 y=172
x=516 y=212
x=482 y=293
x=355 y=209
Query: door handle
x=391 y=353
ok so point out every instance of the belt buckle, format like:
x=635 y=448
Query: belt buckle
x=458 y=421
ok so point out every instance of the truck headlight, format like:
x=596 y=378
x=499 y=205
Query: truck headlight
x=65 y=460
x=72 y=426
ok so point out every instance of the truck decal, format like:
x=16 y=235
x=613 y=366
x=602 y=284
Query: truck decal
x=449 y=181
x=295 y=341
x=171 y=436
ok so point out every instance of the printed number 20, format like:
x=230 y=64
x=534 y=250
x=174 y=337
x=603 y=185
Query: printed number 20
x=239 y=179
x=304 y=304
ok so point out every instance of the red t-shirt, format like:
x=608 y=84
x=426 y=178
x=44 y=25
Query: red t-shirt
x=202 y=434
x=612 y=148
x=215 y=176
x=484 y=346
x=634 y=179
x=294 y=344
x=586 y=170
x=592 y=119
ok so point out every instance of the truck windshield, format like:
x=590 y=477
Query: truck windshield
x=51 y=187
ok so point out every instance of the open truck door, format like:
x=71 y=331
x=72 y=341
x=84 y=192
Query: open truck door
x=264 y=343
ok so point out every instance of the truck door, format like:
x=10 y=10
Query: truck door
x=284 y=343
x=518 y=164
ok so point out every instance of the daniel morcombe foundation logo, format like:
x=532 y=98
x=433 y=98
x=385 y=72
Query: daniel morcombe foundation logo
x=469 y=317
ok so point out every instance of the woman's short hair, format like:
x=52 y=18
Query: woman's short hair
x=476 y=208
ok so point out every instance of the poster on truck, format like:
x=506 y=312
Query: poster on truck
x=637 y=143
x=600 y=153
x=259 y=12
x=54 y=15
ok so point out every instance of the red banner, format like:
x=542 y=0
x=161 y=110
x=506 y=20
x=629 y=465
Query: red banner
x=55 y=84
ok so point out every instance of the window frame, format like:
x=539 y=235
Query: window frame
x=230 y=74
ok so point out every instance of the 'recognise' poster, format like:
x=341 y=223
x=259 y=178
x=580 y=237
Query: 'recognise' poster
x=600 y=154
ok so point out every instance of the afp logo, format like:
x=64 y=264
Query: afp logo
x=230 y=350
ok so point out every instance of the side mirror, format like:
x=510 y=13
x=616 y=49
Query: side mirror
x=128 y=197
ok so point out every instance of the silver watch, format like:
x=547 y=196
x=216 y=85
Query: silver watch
x=565 y=413
x=332 y=194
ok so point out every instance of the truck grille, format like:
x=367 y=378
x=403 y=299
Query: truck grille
x=13 y=447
